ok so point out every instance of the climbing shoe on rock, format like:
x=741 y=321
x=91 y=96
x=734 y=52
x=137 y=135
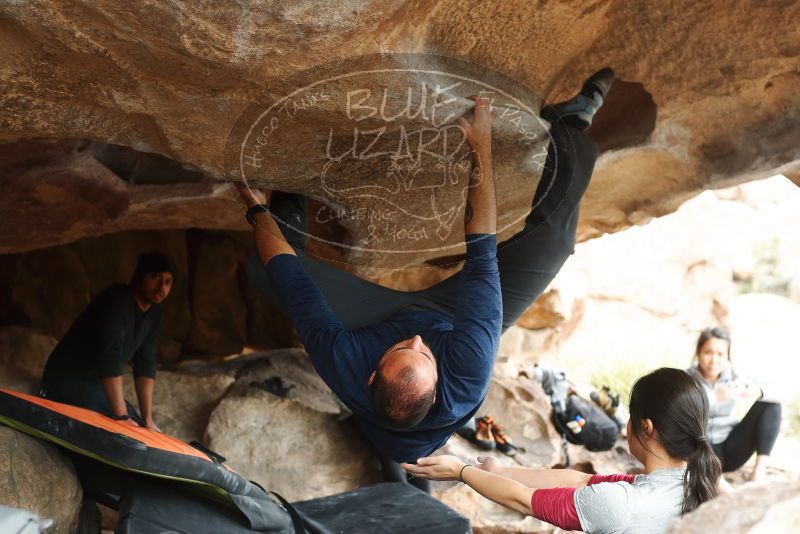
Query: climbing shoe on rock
x=580 y=110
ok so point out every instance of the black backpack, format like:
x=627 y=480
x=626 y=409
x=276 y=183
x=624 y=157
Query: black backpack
x=583 y=423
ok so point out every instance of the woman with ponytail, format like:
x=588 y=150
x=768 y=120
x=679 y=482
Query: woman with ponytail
x=666 y=432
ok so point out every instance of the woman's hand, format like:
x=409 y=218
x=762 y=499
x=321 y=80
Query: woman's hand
x=741 y=388
x=478 y=129
x=443 y=467
x=746 y=388
x=502 y=490
x=250 y=196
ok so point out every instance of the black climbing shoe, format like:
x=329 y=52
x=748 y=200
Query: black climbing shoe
x=275 y=386
x=580 y=110
x=599 y=82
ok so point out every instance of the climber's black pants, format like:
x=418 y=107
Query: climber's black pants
x=528 y=261
x=756 y=433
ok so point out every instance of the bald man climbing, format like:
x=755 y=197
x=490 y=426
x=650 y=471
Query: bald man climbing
x=414 y=367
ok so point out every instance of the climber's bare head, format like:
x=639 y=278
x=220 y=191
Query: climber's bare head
x=403 y=386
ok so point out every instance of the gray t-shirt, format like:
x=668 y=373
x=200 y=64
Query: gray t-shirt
x=650 y=505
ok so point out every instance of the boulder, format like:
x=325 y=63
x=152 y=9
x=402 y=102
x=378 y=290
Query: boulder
x=58 y=179
x=511 y=342
x=26 y=348
x=553 y=308
x=274 y=440
x=522 y=409
x=295 y=369
x=37 y=287
x=37 y=477
x=692 y=96
x=18 y=379
x=521 y=347
x=183 y=400
x=754 y=508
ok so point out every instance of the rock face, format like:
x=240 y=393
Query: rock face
x=553 y=308
x=183 y=401
x=219 y=319
x=17 y=379
x=109 y=123
x=69 y=191
x=698 y=105
x=26 y=347
x=35 y=476
x=755 y=509
x=23 y=354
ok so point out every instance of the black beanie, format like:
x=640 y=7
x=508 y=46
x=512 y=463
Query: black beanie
x=152 y=263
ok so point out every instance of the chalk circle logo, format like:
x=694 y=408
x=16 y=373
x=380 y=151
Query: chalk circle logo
x=374 y=145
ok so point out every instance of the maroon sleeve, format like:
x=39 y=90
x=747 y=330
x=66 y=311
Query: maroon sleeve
x=557 y=507
x=599 y=479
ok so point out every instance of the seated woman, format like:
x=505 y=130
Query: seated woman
x=734 y=441
x=669 y=412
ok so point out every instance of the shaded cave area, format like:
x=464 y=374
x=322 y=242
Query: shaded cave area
x=133 y=166
x=212 y=311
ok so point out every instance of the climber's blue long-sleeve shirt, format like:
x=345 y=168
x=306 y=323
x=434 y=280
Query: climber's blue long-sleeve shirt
x=464 y=347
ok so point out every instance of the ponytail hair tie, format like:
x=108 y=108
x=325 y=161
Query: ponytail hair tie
x=702 y=440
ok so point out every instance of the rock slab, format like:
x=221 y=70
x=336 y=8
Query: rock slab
x=753 y=509
x=37 y=477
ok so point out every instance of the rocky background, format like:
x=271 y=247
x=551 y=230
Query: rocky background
x=632 y=301
x=113 y=123
x=115 y=116
x=113 y=130
x=624 y=304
